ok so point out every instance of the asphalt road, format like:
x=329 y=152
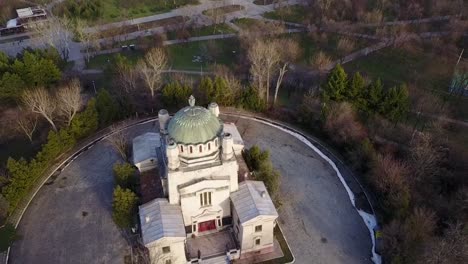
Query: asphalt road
x=69 y=221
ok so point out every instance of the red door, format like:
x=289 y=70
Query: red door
x=206 y=226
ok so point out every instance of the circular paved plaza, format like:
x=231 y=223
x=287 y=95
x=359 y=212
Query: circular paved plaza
x=69 y=220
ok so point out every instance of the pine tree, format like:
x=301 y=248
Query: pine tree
x=335 y=87
x=206 y=89
x=85 y=122
x=396 y=103
x=106 y=106
x=375 y=97
x=355 y=88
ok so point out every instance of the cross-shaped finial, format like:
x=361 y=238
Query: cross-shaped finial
x=191 y=100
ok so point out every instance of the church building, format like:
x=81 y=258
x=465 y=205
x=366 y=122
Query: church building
x=207 y=213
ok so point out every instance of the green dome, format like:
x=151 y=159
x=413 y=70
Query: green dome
x=194 y=125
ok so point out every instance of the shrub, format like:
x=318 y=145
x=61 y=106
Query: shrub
x=345 y=45
x=342 y=125
x=124 y=174
x=123 y=207
x=321 y=61
x=259 y=162
x=7 y=236
x=175 y=94
x=251 y=100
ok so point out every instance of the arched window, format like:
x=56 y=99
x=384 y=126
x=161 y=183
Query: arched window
x=191 y=150
x=182 y=149
x=209 y=146
x=216 y=142
x=200 y=148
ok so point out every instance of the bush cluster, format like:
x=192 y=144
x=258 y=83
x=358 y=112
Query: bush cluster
x=23 y=174
x=38 y=68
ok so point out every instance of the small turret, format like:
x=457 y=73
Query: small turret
x=163 y=117
x=172 y=152
x=214 y=109
x=227 y=145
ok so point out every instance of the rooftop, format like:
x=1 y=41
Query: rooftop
x=160 y=219
x=194 y=125
x=144 y=146
x=252 y=200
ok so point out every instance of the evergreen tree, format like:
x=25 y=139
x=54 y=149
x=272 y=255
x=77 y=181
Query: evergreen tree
x=374 y=97
x=207 y=90
x=11 y=87
x=124 y=174
x=355 y=89
x=175 y=94
x=4 y=62
x=396 y=103
x=106 y=107
x=335 y=86
x=123 y=207
x=223 y=93
x=85 y=122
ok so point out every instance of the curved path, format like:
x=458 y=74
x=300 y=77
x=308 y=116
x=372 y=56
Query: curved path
x=69 y=221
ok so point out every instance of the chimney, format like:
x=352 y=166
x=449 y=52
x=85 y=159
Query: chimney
x=163 y=117
x=227 y=145
x=214 y=109
x=147 y=219
x=172 y=155
x=263 y=194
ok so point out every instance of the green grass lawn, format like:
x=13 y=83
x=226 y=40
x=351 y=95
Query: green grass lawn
x=101 y=61
x=183 y=56
x=119 y=10
x=294 y=13
x=419 y=69
x=204 y=31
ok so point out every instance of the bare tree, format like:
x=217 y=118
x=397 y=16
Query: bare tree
x=127 y=77
x=89 y=40
x=119 y=141
x=40 y=101
x=264 y=56
x=151 y=68
x=70 y=99
x=56 y=32
x=281 y=73
x=289 y=50
x=27 y=124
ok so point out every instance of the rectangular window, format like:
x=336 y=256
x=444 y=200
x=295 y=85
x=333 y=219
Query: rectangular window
x=219 y=223
x=209 y=146
x=257 y=242
x=168 y=261
x=166 y=250
x=191 y=150
x=258 y=228
x=194 y=228
x=205 y=198
x=182 y=149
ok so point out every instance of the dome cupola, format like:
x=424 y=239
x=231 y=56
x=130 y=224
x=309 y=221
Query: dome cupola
x=194 y=125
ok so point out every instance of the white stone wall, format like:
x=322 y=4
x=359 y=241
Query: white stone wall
x=192 y=210
x=176 y=254
x=178 y=177
x=248 y=235
x=184 y=150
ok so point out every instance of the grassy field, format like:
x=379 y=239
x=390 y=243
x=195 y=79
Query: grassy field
x=119 y=10
x=200 y=55
x=418 y=68
x=101 y=61
x=294 y=13
x=204 y=31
